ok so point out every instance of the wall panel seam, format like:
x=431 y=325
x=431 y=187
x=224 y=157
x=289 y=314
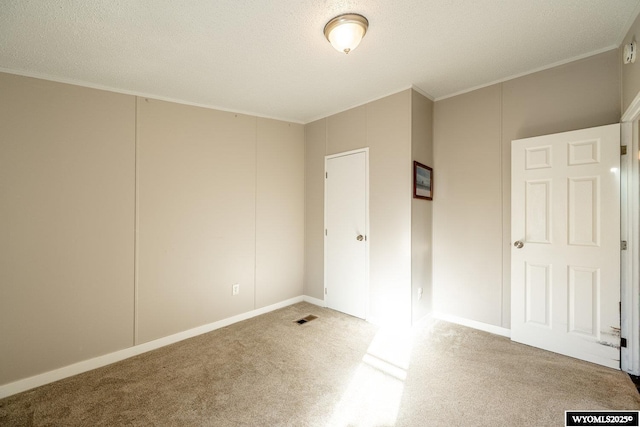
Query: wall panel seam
x=136 y=220
x=304 y=213
x=500 y=148
x=255 y=219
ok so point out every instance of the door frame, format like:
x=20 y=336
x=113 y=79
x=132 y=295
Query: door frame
x=366 y=221
x=630 y=231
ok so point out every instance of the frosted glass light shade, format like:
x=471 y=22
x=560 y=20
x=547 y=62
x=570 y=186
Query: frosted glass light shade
x=345 y=32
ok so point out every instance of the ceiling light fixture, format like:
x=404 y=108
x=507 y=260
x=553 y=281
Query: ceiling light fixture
x=345 y=32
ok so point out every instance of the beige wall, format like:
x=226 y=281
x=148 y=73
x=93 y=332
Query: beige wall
x=467 y=253
x=207 y=198
x=421 y=210
x=196 y=216
x=390 y=191
x=315 y=148
x=630 y=72
x=472 y=140
x=66 y=224
x=385 y=127
x=279 y=212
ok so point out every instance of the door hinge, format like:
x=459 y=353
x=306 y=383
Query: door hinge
x=326 y=174
x=623 y=342
x=325 y=291
x=623 y=245
x=623 y=150
x=326 y=233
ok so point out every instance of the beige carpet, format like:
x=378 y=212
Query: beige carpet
x=332 y=371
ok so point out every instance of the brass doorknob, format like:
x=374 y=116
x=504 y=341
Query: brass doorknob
x=518 y=244
x=360 y=237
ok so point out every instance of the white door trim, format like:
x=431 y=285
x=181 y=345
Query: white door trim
x=633 y=110
x=630 y=286
x=368 y=234
x=629 y=259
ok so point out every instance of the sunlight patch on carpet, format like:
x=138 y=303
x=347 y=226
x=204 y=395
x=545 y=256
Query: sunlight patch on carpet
x=374 y=394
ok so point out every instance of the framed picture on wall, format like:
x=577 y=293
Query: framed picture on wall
x=422 y=181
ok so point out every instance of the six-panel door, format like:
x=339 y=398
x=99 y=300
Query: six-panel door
x=565 y=229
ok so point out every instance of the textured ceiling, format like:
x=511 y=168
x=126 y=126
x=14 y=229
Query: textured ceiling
x=270 y=57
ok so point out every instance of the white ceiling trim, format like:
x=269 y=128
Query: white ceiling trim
x=422 y=92
x=250 y=113
x=342 y=110
x=526 y=73
x=194 y=104
x=140 y=94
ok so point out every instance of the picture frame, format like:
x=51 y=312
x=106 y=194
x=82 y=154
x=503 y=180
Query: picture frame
x=422 y=181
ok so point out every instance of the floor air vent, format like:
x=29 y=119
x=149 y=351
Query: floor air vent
x=304 y=320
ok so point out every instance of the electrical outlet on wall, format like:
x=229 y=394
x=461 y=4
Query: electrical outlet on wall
x=235 y=290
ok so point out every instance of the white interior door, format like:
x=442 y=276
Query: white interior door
x=346 y=243
x=565 y=230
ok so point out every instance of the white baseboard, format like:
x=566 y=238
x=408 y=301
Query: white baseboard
x=107 y=359
x=314 y=301
x=473 y=324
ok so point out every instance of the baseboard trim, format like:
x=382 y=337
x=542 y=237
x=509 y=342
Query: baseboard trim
x=314 y=301
x=107 y=359
x=497 y=330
